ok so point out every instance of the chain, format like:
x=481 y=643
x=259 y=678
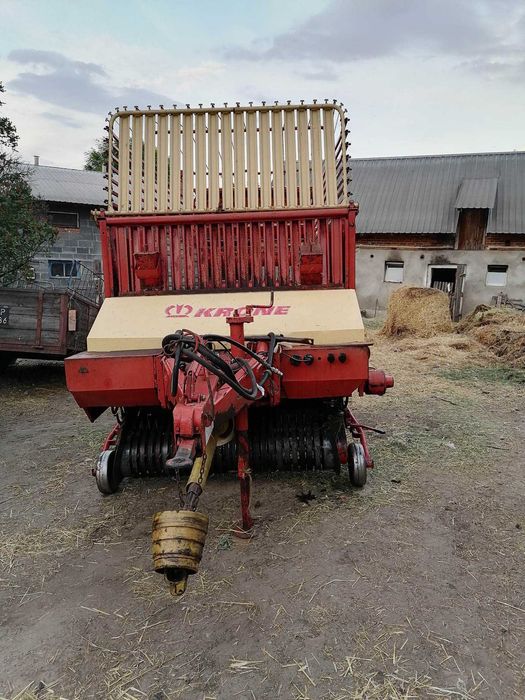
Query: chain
x=200 y=479
x=201 y=471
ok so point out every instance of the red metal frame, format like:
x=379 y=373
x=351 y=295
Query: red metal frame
x=141 y=377
x=358 y=433
x=227 y=251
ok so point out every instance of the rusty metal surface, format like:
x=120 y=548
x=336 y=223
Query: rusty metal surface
x=247 y=251
x=38 y=324
x=178 y=539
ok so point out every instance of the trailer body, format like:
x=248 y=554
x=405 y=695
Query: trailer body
x=41 y=323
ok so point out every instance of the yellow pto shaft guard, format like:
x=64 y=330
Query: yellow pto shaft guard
x=178 y=540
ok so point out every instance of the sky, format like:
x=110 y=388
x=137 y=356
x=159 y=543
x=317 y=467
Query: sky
x=417 y=76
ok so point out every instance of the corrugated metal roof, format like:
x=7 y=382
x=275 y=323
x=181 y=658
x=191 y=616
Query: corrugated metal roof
x=67 y=185
x=417 y=194
x=477 y=193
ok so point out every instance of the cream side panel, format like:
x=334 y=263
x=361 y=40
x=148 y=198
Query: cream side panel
x=139 y=323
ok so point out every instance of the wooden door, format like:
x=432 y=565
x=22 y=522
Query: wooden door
x=456 y=296
x=472 y=225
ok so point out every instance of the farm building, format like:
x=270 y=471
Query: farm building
x=455 y=222
x=70 y=196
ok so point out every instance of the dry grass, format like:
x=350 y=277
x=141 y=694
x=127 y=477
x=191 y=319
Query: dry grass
x=500 y=330
x=447 y=349
x=21 y=546
x=417 y=311
x=39 y=691
x=380 y=668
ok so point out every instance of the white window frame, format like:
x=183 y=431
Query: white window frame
x=493 y=281
x=394 y=265
x=74 y=268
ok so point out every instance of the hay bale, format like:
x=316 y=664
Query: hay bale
x=490 y=315
x=500 y=330
x=417 y=311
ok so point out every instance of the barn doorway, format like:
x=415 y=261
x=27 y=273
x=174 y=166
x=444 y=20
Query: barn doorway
x=449 y=279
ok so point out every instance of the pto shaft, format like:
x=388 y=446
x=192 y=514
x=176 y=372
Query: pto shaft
x=179 y=535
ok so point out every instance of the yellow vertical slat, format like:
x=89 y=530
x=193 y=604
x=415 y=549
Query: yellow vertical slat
x=187 y=162
x=304 y=160
x=253 y=165
x=329 y=156
x=162 y=164
x=136 y=159
x=291 y=157
x=238 y=159
x=264 y=150
x=227 y=161
x=181 y=161
x=123 y=165
x=213 y=161
x=174 y=202
x=149 y=163
x=317 y=158
x=200 y=160
x=278 y=158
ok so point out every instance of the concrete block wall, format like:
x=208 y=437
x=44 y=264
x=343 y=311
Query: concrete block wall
x=82 y=244
x=373 y=292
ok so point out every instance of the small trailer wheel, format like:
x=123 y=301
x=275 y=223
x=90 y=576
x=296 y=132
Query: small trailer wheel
x=106 y=473
x=357 y=470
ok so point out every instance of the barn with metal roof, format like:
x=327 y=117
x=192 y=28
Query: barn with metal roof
x=424 y=194
x=455 y=222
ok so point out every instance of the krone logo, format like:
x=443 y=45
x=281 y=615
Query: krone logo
x=178 y=310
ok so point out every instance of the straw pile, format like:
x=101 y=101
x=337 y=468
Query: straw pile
x=417 y=311
x=501 y=330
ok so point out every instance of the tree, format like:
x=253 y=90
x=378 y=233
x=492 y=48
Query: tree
x=24 y=229
x=97 y=157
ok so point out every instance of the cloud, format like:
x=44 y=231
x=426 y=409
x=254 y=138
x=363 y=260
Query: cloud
x=349 y=30
x=61 y=119
x=323 y=73
x=75 y=85
x=512 y=70
x=53 y=59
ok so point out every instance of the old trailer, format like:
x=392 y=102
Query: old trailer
x=230 y=336
x=43 y=323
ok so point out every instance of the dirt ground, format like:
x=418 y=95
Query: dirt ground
x=412 y=587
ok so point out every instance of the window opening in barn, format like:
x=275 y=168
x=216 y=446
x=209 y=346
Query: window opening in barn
x=443 y=278
x=64 y=219
x=63 y=268
x=394 y=271
x=449 y=279
x=496 y=275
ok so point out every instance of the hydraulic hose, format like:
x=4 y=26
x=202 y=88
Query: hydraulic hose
x=185 y=347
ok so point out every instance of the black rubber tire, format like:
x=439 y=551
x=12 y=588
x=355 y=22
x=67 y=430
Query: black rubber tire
x=357 y=470
x=6 y=359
